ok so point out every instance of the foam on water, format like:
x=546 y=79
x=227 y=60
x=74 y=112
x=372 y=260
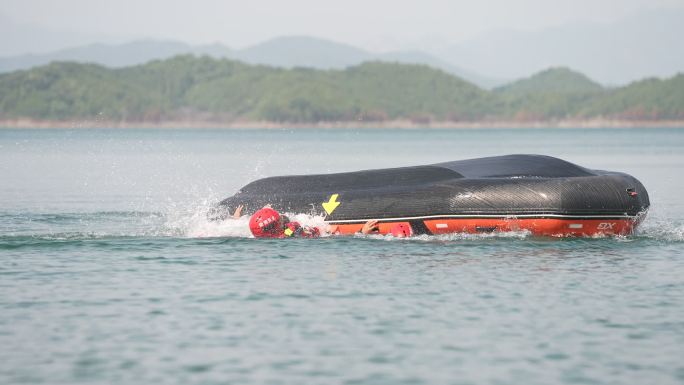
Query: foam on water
x=197 y=224
x=191 y=221
x=661 y=229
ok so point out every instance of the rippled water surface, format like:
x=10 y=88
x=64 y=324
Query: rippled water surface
x=110 y=273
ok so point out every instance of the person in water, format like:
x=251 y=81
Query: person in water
x=268 y=223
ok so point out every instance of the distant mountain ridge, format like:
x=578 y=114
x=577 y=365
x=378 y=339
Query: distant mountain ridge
x=645 y=44
x=286 y=52
x=303 y=51
x=109 y=55
x=188 y=88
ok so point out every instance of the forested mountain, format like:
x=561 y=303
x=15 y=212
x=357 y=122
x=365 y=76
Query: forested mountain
x=553 y=93
x=188 y=88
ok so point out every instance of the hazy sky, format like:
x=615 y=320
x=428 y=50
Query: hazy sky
x=373 y=24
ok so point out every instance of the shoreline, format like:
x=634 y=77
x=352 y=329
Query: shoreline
x=393 y=124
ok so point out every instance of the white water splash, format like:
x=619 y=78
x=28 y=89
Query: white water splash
x=662 y=229
x=451 y=237
x=194 y=223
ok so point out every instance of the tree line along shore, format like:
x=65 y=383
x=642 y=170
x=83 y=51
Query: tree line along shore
x=189 y=90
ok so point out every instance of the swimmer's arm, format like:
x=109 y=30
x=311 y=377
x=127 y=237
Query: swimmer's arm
x=238 y=212
x=370 y=226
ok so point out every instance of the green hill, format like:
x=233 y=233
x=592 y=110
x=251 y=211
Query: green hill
x=210 y=89
x=187 y=88
x=649 y=99
x=559 y=80
x=553 y=93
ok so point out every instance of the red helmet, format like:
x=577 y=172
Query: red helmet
x=401 y=230
x=265 y=223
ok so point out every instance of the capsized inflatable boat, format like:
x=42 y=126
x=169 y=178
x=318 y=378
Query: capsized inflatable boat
x=540 y=194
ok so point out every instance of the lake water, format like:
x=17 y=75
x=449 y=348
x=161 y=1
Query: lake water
x=110 y=273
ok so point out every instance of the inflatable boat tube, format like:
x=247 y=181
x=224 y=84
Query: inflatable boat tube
x=535 y=193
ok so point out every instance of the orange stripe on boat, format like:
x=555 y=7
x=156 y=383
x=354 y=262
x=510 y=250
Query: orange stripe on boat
x=558 y=227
